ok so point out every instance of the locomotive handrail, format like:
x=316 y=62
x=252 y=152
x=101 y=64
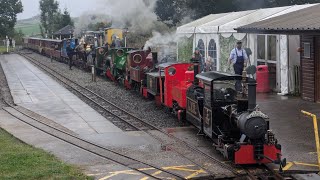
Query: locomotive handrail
x=316 y=133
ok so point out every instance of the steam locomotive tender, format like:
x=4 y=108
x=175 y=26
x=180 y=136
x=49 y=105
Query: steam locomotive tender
x=240 y=131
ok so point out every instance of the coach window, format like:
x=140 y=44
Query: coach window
x=207 y=94
x=137 y=58
x=172 y=71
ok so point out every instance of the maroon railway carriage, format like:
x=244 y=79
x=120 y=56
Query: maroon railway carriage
x=48 y=47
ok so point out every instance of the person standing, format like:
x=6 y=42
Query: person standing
x=10 y=43
x=70 y=54
x=94 y=55
x=13 y=43
x=198 y=56
x=239 y=58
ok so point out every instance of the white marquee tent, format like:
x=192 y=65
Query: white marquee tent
x=220 y=29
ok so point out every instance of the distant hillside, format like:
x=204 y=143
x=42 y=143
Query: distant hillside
x=29 y=26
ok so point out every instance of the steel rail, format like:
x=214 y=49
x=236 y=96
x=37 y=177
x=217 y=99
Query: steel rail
x=91 y=144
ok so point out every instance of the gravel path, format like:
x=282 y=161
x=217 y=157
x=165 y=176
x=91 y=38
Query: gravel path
x=5 y=94
x=128 y=100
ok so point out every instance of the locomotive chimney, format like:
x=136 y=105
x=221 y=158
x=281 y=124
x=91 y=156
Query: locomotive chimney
x=196 y=71
x=252 y=93
x=155 y=57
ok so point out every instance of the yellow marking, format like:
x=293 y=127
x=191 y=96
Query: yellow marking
x=312 y=153
x=146 y=169
x=181 y=169
x=201 y=171
x=178 y=168
x=305 y=164
x=112 y=174
x=316 y=133
x=288 y=166
x=153 y=174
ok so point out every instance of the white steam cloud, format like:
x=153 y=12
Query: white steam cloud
x=89 y=18
x=165 y=43
x=137 y=15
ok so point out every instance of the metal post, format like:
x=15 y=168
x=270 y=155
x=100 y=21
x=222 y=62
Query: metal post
x=7 y=41
x=93 y=71
x=316 y=134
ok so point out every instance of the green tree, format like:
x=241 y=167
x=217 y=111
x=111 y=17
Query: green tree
x=8 y=16
x=48 y=16
x=18 y=36
x=65 y=19
x=176 y=10
x=172 y=12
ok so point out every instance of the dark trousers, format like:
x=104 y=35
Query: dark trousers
x=70 y=61
x=238 y=70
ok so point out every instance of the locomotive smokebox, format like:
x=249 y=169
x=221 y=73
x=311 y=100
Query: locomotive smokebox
x=254 y=127
x=252 y=95
x=196 y=71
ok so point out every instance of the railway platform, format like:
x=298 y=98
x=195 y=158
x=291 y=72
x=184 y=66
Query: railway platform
x=34 y=90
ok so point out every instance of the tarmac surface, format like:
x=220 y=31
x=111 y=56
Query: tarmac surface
x=36 y=91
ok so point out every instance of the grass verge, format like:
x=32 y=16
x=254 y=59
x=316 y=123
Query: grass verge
x=3 y=49
x=21 y=161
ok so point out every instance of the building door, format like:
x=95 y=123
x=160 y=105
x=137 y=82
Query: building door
x=317 y=69
x=268 y=54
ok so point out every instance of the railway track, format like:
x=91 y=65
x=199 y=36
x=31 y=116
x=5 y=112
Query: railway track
x=139 y=124
x=37 y=122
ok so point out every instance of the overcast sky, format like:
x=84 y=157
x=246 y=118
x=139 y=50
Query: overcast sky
x=76 y=7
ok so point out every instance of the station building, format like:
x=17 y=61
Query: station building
x=306 y=24
x=215 y=36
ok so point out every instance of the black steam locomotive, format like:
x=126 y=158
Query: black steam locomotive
x=240 y=131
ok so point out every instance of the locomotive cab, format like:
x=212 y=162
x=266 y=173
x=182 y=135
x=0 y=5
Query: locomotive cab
x=139 y=63
x=173 y=87
x=118 y=61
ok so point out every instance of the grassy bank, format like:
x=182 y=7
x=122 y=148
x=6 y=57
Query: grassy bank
x=3 y=49
x=21 y=161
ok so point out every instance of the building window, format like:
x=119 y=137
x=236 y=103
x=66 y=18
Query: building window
x=201 y=47
x=272 y=48
x=261 y=47
x=212 y=55
x=306 y=50
x=267 y=47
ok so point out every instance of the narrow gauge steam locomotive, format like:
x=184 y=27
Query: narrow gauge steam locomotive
x=126 y=66
x=209 y=101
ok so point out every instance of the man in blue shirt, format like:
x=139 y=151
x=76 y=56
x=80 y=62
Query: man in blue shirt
x=239 y=58
x=70 y=53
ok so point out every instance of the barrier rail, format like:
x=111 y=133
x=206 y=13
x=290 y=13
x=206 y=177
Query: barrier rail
x=315 y=125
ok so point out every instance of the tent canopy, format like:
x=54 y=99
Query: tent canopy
x=227 y=22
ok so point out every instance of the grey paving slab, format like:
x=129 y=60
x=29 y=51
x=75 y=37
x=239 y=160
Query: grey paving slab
x=127 y=139
x=36 y=91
